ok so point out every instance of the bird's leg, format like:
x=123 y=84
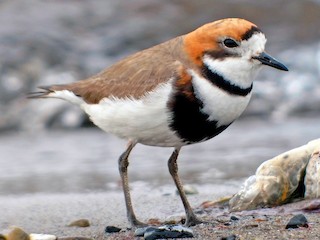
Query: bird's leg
x=191 y=218
x=123 y=169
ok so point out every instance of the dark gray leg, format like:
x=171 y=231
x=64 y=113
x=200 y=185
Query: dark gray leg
x=123 y=167
x=191 y=218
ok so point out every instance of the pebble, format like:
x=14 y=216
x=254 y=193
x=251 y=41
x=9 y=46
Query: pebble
x=234 y=218
x=297 y=221
x=231 y=237
x=154 y=221
x=313 y=205
x=164 y=232
x=189 y=190
x=74 y=238
x=139 y=232
x=36 y=236
x=16 y=233
x=80 y=223
x=112 y=229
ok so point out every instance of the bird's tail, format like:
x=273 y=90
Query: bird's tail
x=56 y=91
x=44 y=92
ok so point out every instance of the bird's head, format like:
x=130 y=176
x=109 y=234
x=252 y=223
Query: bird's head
x=232 y=47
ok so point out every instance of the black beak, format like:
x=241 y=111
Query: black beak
x=270 y=61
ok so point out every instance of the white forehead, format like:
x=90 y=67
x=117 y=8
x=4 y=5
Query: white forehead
x=254 y=45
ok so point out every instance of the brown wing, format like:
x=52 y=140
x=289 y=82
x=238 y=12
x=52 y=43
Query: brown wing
x=133 y=76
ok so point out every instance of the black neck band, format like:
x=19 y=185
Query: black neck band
x=224 y=84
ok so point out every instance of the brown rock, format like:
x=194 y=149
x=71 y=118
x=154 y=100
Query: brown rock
x=15 y=233
x=80 y=223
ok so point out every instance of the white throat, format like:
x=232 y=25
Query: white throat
x=237 y=71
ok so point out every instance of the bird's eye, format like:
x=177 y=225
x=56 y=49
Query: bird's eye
x=230 y=43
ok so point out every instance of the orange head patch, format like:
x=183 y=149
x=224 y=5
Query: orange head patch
x=209 y=36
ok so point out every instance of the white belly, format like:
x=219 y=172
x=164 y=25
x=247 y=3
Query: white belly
x=144 y=120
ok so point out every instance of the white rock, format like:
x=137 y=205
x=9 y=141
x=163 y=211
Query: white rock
x=275 y=180
x=312 y=179
x=36 y=236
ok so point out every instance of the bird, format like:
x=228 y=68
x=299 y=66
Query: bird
x=184 y=91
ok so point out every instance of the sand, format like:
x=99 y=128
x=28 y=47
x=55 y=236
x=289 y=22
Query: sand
x=51 y=213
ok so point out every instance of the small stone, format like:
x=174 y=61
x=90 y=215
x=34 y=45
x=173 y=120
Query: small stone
x=112 y=229
x=297 y=221
x=220 y=203
x=15 y=233
x=231 y=237
x=189 y=190
x=74 y=238
x=154 y=221
x=167 y=231
x=80 y=223
x=234 y=218
x=141 y=231
x=313 y=205
x=171 y=222
x=36 y=236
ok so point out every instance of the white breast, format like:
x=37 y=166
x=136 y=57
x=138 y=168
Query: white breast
x=218 y=104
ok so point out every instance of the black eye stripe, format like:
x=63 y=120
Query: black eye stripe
x=230 y=43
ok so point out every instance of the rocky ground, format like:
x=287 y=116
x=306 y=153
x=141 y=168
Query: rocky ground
x=51 y=214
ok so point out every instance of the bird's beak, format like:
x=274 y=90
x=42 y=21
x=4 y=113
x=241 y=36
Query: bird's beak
x=270 y=61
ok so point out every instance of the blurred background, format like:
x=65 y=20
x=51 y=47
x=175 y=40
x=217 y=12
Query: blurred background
x=49 y=146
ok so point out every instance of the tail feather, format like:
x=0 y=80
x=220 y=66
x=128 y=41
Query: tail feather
x=42 y=93
x=64 y=92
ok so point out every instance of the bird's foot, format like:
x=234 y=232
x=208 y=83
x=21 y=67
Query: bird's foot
x=137 y=224
x=192 y=220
